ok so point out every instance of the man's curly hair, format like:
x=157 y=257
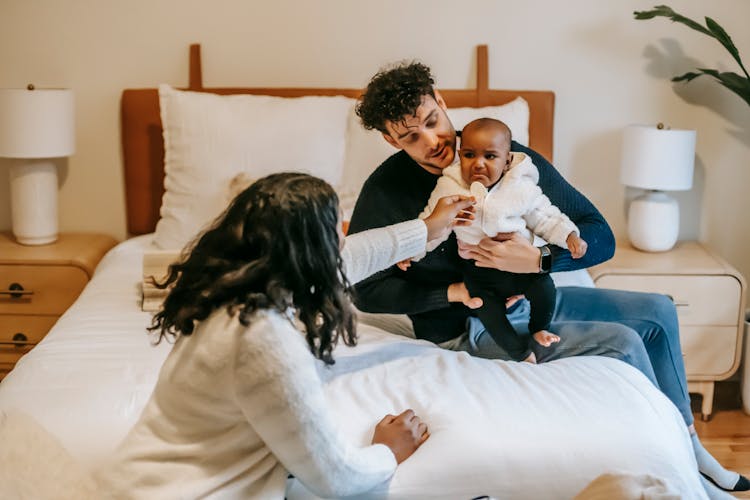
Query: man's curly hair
x=393 y=94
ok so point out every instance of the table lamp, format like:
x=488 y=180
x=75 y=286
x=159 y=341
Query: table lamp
x=657 y=159
x=36 y=125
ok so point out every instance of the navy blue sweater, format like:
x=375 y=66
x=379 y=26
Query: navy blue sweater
x=398 y=191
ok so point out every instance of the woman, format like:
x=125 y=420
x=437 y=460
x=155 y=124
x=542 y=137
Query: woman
x=239 y=403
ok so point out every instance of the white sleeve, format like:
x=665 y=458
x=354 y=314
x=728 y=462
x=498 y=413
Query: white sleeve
x=373 y=250
x=547 y=221
x=281 y=395
x=445 y=187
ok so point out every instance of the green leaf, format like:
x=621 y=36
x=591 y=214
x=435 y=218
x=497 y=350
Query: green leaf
x=738 y=84
x=664 y=11
x=724 y=38
x=734 y=82
x=660 y=10
x=686 y=77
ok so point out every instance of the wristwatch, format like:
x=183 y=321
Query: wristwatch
x=545 y=259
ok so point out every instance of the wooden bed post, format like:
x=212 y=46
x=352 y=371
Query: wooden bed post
x=196 y=73
x=483 y=78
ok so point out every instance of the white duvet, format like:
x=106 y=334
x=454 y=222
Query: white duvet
x=505 y=429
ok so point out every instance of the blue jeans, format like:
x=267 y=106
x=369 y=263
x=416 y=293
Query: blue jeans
x=638 y=328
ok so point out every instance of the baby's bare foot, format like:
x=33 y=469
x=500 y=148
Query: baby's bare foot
x=545 y=338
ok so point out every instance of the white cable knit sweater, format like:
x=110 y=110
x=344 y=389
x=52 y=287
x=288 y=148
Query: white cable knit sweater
x=235 y=409
x=514 y=204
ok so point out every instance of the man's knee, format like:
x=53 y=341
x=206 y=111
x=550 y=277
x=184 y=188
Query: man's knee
x=660 y=311
x=663 y=306
x=625 y=341
x=628 y=346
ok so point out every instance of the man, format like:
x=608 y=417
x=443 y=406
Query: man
x=638 y=328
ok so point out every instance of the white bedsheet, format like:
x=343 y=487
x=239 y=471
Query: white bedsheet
x=511 y=430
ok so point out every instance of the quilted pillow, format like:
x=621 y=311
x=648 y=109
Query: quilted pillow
x=209 y=139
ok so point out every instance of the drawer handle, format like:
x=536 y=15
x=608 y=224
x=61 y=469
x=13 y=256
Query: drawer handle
x=16 y=291
x=678 y=303
x=19 y=340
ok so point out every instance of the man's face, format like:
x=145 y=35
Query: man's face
x=427 y=136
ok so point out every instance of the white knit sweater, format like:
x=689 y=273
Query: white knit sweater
x=236 y=408
x=514 y=204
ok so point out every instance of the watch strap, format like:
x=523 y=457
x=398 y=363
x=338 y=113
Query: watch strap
x=545 y=259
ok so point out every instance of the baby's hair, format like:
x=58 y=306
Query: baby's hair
x=488 y=123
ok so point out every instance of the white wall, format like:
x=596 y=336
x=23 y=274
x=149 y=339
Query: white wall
x=607 y=70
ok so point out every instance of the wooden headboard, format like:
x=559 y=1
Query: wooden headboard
x=143 y=148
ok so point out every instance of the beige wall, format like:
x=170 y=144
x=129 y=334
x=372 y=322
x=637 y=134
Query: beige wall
x=607 y=70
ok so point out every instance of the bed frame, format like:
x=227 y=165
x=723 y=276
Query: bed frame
x=143 y=148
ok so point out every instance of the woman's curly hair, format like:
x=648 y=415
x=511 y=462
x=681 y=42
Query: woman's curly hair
x=393 y=94
x=275 y=247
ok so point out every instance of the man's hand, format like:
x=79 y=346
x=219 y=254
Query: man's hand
x=513 y=253
x=404 y=264
x=457 y=292
x=512 y=300
x=449 y=212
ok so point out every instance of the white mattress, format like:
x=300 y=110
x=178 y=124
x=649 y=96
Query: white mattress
x=511 y=430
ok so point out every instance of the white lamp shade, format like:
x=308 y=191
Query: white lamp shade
x=37 y=123
x=657 y=159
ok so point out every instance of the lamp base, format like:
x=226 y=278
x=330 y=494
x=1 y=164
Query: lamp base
x=33 y=195
x=653 y=222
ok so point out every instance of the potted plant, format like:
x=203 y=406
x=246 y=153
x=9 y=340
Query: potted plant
x=738 y=84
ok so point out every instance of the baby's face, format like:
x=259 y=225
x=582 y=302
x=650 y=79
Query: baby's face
x=484 y=155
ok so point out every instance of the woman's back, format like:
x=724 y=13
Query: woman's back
x=231 y=399
x=192 y=438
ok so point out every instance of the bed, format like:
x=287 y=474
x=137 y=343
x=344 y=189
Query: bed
x=509 y=430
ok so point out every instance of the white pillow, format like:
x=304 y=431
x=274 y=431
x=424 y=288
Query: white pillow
x=209 y=139
x=366 y=149
x=515 y=114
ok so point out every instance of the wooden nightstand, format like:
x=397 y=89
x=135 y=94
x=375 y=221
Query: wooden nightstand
x=710 y=299
x=38 y=283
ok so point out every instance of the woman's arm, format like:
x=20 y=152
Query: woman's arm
x=281 y=395
x=373 y=250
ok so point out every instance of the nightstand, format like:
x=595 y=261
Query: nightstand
x=37 y=285
x=710 y=298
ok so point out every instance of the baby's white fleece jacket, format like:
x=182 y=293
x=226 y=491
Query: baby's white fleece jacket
x=514 y=204
x=236 y=408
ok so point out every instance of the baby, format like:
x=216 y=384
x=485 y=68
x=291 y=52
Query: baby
x=504 y=184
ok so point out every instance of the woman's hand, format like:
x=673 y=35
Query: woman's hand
x=450 y=211
x=403 y=434
x=513 y=253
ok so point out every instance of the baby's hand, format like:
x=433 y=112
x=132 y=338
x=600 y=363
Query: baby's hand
x=545 y=338
x=576 y=246
x=404 y=264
